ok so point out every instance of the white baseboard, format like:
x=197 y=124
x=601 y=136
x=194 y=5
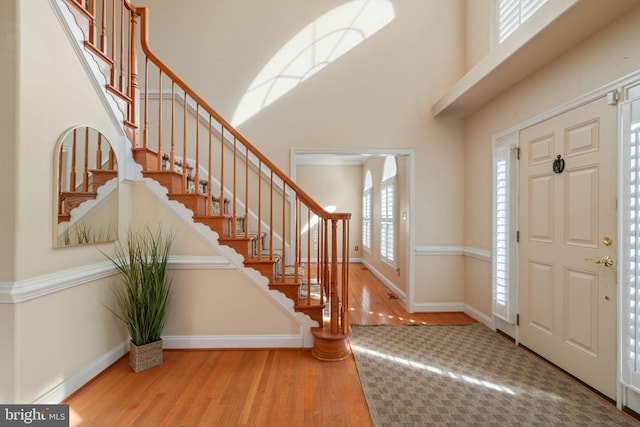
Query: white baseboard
x=479 y=316
x=73 y=383
x=233 y=341
x=388 y=283
x=438 y=307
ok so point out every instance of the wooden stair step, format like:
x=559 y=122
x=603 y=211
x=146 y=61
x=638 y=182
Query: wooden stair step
x=148 y=159
x=64 y=217
x=171 y=180
x=197 y=203
x=242 y=245
x=74 y=199
x=102 y=176
x=289 y=287
x=263 y=265
x=217 y=223
x=313 y=310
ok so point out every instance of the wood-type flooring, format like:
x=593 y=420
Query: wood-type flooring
x=263 y=387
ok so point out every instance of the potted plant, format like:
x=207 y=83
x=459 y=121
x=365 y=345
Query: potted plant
x=142 y=300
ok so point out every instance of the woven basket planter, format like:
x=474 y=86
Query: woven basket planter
x=145 y=356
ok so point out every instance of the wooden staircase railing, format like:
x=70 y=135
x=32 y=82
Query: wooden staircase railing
x=230 y=186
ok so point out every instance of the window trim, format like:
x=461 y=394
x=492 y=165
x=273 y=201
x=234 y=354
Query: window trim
x=505 y=256
x=367 y=212
x=628 y=276
x=389 y=181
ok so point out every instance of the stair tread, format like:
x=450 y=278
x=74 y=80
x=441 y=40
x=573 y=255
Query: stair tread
x=286 y=281
x=236 y=238
x=223 y=216
x=302 y=303
x=260 y=261
x=79 y=193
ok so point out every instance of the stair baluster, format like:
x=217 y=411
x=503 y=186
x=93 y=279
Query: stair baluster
x=287 y=252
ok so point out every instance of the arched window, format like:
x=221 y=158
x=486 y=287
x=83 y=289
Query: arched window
x=366 y=211
x=387 y=207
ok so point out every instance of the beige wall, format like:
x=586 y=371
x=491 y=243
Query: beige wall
x=376 y=96
x=59 y=335
x=478 y=21
x=396 y=274
x=41 y=336
x=9 y=72
x=7 y=352
x=223 y=303
x=339 y=186
x=608 y=55
x=52 y=339
x=55 y=95
x=206 y=302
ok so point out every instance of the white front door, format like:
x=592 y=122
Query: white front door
x=567 y=296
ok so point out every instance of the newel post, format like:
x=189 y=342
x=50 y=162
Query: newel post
x=333 y=289
x=331 y=340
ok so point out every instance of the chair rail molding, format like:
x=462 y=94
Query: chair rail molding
x=24 y=290
x=477 y=253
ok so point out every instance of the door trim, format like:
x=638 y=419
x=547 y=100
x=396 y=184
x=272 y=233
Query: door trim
x=621 y=85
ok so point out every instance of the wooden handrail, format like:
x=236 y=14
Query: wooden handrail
x=143 y=12
x=288 y=205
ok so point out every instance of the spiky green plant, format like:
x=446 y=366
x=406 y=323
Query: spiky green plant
x=142 y=301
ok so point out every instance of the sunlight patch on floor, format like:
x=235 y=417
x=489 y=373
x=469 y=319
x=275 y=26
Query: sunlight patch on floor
x=438 y=371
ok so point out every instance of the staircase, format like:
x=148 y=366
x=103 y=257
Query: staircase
x=230 y=186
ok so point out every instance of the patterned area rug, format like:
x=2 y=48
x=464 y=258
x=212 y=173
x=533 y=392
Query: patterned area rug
x=467 y=375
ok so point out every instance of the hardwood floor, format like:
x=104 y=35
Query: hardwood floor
x=372 y=303
x=270 y=387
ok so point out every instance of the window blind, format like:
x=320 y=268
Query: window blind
x=505 y=178
x=512 y=13
x=631 y=243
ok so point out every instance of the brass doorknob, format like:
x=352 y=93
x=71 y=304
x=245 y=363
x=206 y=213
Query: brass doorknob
x=606 y=261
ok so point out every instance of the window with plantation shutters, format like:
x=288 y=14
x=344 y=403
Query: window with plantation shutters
x=366 y=211
x=387 y=209
x=630 y=261
x=504 y=229
x=512 y=13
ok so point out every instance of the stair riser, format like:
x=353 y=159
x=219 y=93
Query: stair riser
x=195 y=202
x=146 y=158
x=265 y=270
x=290 y=291
x=314 y=312
x=242 y=246
x=172 y=181
x=218 y=224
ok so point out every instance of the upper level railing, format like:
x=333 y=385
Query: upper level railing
x=173 y=129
